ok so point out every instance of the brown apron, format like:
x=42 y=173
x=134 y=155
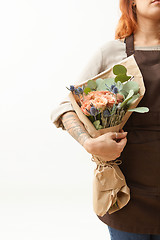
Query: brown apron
x=141 y=156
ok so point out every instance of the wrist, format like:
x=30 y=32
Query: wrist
x=89 y=145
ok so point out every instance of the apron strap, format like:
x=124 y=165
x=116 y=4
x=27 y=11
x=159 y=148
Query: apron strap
x=129 y=45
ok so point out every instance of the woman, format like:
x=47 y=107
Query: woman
x=138 y=33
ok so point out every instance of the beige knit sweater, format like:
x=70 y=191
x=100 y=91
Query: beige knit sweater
x=105 y=57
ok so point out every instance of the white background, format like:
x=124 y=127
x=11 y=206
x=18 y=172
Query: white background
x=45 y=175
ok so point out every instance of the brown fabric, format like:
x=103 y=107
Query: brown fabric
x=141 y=156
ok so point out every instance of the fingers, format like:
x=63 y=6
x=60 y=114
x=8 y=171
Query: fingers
x=119 y=135
x=121 y=144
x=121 y=130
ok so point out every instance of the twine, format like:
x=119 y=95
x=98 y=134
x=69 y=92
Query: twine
x=102 y=165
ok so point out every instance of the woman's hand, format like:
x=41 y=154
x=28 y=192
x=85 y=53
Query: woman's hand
x=107 y=146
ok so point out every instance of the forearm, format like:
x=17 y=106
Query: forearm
x=103 y=146
x=75 y=128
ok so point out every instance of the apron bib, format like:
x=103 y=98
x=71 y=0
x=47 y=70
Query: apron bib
x=141 y=155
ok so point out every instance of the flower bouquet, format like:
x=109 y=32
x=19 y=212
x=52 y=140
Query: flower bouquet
x=103 y=104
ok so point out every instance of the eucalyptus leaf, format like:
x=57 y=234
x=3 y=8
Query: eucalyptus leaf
x=92 y=84
x=132 y=99
x=131 y=85
x=87 y=90
x=130 y=94
x=124 y=93
x=107 y=81
x=119 y=69
x=119 y=85
x=122 y=78
x=139 y=110
x=99 y=81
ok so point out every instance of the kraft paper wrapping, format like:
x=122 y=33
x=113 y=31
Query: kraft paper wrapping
x=109 y=184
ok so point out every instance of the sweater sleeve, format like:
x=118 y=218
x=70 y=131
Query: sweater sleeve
x=93 y=67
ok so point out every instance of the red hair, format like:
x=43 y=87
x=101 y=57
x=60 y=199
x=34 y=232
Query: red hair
x=128 y=21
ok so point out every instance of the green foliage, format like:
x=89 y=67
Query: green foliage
x=92 y=84
x=119 y=85
x=99 y=81
x=139 y=110
x=97 y=124
x=102 y=84
x=122 y=78
x=113 y=109
x=91 y=118
x=121 y=73
x=87 y=90
x=124 y=93
x=131 y=85
x=130 y=94
x=129 y=90
x=119 y=69
x=132 y=99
